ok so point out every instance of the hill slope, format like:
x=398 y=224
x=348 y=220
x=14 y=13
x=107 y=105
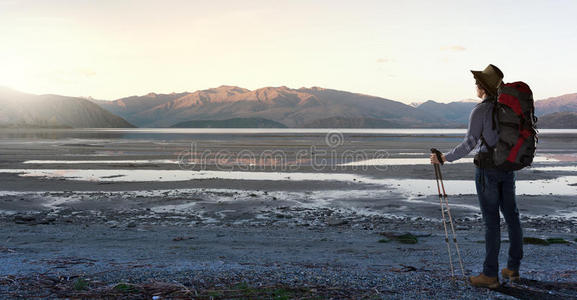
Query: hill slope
x=564 y=103
x=26 y=110
x=558 y=120
x=341 y=122
x=230 y=123
x=457 y=112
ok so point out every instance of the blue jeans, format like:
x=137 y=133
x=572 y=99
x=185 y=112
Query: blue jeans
x=496 y=190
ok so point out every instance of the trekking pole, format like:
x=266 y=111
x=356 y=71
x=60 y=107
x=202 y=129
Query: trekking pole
x=440 y=175
x=437 y=170
x=451 y=221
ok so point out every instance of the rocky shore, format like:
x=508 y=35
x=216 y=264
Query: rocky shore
x=295 y=252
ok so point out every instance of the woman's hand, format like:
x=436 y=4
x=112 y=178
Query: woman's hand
x=434 y=159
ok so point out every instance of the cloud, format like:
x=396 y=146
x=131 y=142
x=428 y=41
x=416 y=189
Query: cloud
x=384 y=60
x=454 y=48
x=86 y=72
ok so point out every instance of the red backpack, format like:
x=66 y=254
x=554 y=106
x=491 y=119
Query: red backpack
x=514 y=112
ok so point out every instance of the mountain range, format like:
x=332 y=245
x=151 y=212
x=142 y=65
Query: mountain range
x=26 y=110
x=303 y=107
x=269 y=107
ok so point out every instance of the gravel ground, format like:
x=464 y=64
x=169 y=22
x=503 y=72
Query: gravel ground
x=344 y=256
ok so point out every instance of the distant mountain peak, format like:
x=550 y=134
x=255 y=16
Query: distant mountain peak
x=231 y=89
x=273 y=88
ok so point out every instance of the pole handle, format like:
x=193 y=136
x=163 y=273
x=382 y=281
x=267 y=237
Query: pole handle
x=438 y=154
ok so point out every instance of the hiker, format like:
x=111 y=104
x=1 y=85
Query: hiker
x=495 y=187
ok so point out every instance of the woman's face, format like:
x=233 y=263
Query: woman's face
x=480 y=91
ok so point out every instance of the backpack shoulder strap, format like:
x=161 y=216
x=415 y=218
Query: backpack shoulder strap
x=494 y=115
x=493 y=112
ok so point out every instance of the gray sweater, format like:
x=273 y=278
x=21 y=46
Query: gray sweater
x=480 y=123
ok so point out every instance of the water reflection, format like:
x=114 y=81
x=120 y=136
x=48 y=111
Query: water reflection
x=565 y=185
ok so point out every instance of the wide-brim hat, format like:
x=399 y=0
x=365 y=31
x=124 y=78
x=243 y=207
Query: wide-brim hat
x=489 y=79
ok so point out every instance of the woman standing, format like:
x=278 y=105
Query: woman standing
x=495 y=188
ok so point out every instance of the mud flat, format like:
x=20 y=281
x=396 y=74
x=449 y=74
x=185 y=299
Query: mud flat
x=126 y=219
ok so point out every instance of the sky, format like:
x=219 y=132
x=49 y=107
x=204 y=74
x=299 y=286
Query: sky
x=409 y=51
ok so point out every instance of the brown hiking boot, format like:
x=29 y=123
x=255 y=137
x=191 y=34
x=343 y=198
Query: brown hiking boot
x=483 y=280
x=510 y=274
